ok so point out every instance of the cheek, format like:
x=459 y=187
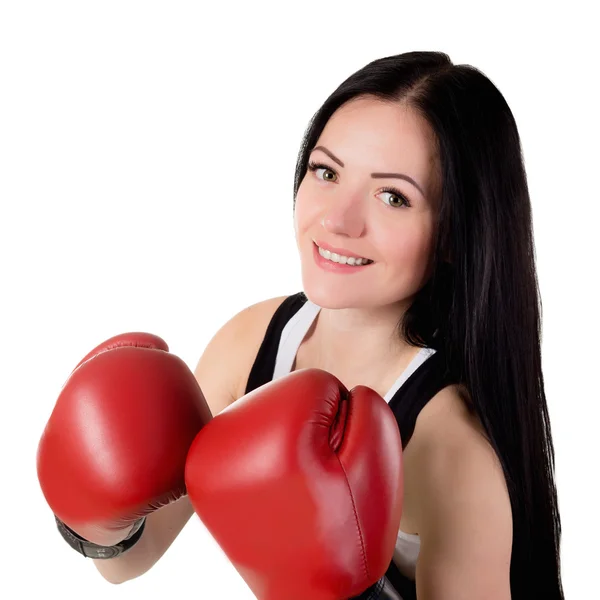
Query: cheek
x=411 y=248
x=306 y=211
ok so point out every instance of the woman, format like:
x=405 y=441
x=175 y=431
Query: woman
x=413 y=223
x=415 y=164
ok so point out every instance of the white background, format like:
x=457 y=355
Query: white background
x=147 y=153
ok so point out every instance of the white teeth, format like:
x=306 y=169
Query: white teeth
x=338 y=258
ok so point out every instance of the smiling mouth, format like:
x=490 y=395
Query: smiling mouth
x=342 y=259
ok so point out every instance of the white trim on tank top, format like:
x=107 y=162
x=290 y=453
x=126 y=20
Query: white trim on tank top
x=295 y=331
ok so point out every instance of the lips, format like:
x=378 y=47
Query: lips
x=346 y=267
x=340 y=251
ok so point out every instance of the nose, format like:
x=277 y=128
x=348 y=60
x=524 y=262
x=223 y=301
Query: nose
x=345 y=218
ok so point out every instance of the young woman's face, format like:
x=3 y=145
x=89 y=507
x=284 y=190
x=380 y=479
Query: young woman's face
x=343 y=204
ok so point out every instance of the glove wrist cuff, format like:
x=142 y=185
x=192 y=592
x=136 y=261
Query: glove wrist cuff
x=91 y=550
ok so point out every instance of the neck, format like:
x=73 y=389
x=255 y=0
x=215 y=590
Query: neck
x=359 y=339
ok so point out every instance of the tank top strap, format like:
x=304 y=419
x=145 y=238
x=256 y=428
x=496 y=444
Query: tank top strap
x=414 y=392
x=291 y=337
x=263 y=368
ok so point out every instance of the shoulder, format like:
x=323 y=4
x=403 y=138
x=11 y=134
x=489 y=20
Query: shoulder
x=228 y=356
x=463 y=512
x=253 y=319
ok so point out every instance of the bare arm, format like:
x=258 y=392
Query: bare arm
x=162 y=527
x=222 y=367
x=464 y=514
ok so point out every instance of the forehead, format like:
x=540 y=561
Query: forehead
x=385 y=131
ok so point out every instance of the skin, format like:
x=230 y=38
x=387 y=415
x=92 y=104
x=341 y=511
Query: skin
x=346 y=207
x=456 y=498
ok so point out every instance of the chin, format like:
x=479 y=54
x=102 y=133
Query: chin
x=327 y=296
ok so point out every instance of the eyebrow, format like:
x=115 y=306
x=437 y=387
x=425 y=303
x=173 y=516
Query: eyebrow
x=374 y=175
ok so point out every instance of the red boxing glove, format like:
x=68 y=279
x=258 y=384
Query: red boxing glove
x=115 y=446
x=300 y=483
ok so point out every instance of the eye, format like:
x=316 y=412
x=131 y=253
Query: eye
x=314 y=167
x=396 y=198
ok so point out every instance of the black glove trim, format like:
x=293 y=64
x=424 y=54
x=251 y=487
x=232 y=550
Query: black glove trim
x=382 y=590
x=91 y=550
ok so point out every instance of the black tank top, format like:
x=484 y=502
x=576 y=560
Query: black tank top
x=427 y=380
x=424 y=383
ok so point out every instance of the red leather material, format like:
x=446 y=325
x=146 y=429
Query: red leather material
x=300 y=483
x=115 y=446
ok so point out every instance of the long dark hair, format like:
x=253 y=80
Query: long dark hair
x=482 y=306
